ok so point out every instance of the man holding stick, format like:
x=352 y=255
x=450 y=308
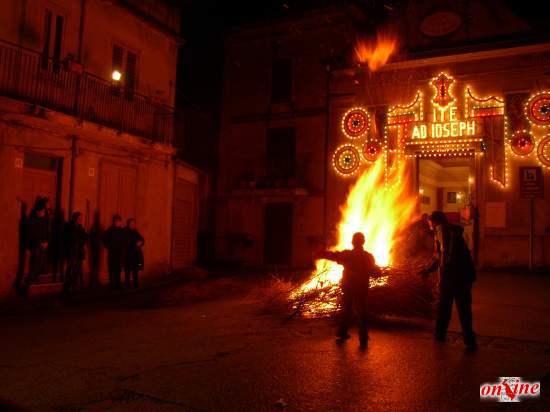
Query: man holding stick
x=456 y=275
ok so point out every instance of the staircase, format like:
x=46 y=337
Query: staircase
x=45 y=286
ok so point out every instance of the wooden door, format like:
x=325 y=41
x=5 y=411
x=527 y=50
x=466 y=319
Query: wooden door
x=117 y=192
x=184 y=230
x=278 y=233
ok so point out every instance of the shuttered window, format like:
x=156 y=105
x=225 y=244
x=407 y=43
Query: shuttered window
x=125 y=62
x=53 y=30
x=118 y=53
x=281 y=81
x=47 y=37
x=130 y=83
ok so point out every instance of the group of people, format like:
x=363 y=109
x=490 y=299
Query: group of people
x=452 y=259
x=68 y=244
x=124 y=252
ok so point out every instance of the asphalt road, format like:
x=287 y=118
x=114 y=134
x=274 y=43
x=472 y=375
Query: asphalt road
x=185 y=348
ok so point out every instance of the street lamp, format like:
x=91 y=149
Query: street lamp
x=116 y=75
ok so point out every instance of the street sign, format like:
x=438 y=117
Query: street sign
x=531 y=185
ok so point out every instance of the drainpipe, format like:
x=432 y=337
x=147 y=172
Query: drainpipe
x=172 y=219
x=72 y=175
x=325 y=177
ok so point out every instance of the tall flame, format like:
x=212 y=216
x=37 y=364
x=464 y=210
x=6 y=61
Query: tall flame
x=379 y=212
x=376 y=53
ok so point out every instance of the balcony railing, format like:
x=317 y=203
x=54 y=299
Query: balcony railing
x=29 y=76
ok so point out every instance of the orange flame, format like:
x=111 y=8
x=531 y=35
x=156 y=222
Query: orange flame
x=380 y=213
x=376 y=53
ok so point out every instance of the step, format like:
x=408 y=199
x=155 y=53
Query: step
x=42 y=289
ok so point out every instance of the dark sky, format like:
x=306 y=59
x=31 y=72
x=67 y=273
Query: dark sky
x=204 y=23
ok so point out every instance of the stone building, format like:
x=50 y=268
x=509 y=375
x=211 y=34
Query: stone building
x=293 y=85
x=86 y=118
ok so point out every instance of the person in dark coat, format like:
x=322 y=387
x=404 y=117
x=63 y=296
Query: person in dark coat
x=75 y=238
x=359 y=266
x=456 y=276
x=114 y=241
x=133 y=254
x=38 y=238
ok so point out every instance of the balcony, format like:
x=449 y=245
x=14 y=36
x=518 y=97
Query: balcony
x=59 y=85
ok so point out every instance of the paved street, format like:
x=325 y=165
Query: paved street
x=209 y=346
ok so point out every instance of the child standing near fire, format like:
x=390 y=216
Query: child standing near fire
x=359 y=266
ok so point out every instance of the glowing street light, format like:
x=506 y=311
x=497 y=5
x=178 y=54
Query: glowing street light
x=116 y=75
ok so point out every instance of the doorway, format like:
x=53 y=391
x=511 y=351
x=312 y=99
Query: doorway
x=184 y=226
x=278 y=234
x=448 y=184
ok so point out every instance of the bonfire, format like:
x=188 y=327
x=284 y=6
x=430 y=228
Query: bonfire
x=383 y=212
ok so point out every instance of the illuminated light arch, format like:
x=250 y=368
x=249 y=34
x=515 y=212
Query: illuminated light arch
x=446 y=129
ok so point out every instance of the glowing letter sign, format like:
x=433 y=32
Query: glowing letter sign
x=444 y=121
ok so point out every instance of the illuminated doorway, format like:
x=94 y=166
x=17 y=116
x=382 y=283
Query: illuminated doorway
x=448 y=184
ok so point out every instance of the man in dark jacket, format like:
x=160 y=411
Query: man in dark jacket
x=359 y=266
x=133 y=253
x=75 y=238
x=456 y=275
x=38 y=238
x=113 y=241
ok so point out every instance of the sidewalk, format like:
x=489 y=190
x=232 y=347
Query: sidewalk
x=511 y=305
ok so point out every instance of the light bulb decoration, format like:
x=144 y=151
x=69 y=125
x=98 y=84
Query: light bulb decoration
x=479 y=107
x=450 y=127
x=442 y=84
x=371 y=151
x=543 y=152
x=522 y=143
x=346 y=160
x=355 y=123
x=537 y=109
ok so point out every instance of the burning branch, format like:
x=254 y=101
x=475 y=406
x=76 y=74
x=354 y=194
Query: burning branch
x=375 y=53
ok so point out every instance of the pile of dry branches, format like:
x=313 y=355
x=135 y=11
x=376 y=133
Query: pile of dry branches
x=401 y=291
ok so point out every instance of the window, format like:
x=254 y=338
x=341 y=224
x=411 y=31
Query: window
x=281 y=81
x=125 y=62
x=53 y=39
x=281 y=152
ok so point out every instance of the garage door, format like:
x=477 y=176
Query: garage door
x=184 y=225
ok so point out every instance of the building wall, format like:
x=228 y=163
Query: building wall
x=114 y=171
x=494 y=74
x=52 y=136
x=247 y=113
x=105 y=23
